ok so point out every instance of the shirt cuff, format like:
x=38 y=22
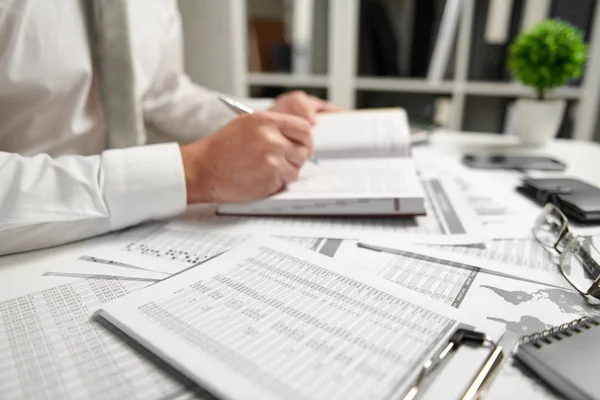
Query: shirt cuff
x=142 y=183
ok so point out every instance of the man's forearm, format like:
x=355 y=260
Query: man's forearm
x=47 y=202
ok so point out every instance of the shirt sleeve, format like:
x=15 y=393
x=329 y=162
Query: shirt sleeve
x=175 y=105
x=48 y=201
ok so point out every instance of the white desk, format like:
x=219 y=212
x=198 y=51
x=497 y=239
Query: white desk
x=582 y=159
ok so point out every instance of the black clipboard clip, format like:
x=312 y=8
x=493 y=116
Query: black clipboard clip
x=462 y=336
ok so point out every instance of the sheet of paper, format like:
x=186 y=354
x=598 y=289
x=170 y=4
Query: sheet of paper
x=437 y=280
x=269 y=320
x=502 y=211
x=362 y=133
x=449 y=221
x=49 y=349
x=363 y=186
x=167 y=250
x=538 y=268
x=524 y=306
x=526 y=254
x=87 y=267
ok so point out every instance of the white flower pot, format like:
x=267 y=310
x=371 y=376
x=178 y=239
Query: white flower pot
x=537 y=122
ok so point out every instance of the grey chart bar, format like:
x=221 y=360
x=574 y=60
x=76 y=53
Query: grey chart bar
x=449 y=214
x=330 y=247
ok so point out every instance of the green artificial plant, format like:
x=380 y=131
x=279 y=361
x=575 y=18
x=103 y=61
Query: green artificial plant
x=547 y=56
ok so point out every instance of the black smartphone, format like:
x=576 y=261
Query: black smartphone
x=509 y=161
x=578 y=200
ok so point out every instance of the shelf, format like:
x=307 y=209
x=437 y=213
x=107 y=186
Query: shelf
x=414 y=85
x=511 y=89
x=288 y=80
x=339 y=28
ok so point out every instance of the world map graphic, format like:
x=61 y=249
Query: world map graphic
x=568 y=303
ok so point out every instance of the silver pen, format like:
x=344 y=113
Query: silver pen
x=235 y=106
x=241 y=109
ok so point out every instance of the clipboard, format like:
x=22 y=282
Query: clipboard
x=461 y=337
x=452 y=334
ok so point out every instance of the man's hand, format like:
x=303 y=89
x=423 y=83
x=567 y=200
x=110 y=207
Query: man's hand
x=250 y=158
x=303 y=105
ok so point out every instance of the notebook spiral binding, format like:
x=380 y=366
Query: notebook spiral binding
x=573 y=326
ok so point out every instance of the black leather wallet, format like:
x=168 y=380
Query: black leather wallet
x=579 y=201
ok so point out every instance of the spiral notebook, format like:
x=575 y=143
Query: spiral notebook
x=565 y=357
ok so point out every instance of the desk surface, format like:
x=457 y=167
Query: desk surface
x=582 y=159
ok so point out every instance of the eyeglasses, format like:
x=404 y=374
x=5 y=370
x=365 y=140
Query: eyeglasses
x=579 y=261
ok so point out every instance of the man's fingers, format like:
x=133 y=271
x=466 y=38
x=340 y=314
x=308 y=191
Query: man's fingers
x=294 y=152
x=296 y=129
x=305 y=108
x=298 y=155
x=329 y=107
x=324 y=105
x=289 y=172
x=302 y=105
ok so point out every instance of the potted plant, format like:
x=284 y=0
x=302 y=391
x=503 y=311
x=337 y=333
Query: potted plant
x=544 y=58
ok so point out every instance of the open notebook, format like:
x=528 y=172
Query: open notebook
x=371 y=186
x=364 y=168
x=362 y=133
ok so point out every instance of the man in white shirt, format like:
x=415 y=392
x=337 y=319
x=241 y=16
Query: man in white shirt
x=58 y=183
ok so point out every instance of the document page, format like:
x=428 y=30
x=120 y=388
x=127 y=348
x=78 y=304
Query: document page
x=355 y=178
x=503 y=212
x=524 y=306
x=271 y=320
x=364 y=186
x=86 y=267
x=362 y=133
x=443 y=281
x=518 y=258
x=49 y=348
x=527 y=254
x=449 y=221
x=168 y=250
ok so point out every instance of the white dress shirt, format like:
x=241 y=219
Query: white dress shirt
x=57 y=182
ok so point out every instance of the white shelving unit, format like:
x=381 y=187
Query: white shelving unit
x=412 y=85
x=342 y=81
